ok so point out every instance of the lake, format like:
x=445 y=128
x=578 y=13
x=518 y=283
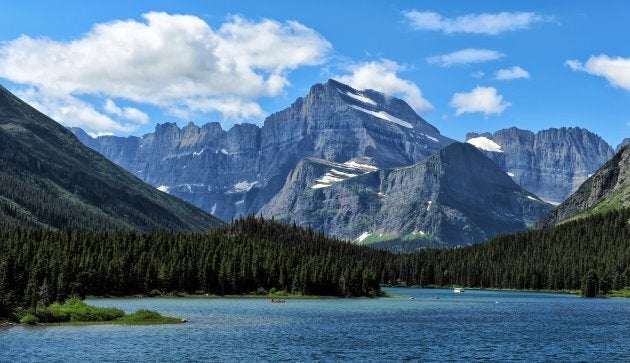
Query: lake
x=476 y=325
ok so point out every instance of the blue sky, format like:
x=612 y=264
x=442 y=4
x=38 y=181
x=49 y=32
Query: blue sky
x=463 y=65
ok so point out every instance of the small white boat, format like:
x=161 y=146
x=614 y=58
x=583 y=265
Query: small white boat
x=458 y=291
x=411 y=298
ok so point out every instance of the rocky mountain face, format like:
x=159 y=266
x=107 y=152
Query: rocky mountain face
x=238 y=171
x=607 y=189
x=551 y=163
x=50 y=179
x=455 y=197
x=625 y=142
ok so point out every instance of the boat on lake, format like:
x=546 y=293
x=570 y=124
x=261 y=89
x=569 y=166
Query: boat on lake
x=277 y=301
x=458 y=290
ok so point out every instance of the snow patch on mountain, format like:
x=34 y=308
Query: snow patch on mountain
x=354 y=164
x=359 y=98
x=486 y=144
x=430 y=137
x=384 y=116
x=363 y=236
x=349 y=169
x=244 y=186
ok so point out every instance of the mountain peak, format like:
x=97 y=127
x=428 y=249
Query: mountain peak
x=456 y=196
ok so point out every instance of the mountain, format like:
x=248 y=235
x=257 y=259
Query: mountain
x=50 y=179
x=457 y=196
x=238 y=171
x=551 y=163
x=607 y=189
x=625 y=142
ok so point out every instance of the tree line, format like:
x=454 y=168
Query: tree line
x=254 y=255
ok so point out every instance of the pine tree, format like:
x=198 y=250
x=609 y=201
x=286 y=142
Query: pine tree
x=590 y=287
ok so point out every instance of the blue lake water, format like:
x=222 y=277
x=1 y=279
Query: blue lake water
x=476 y=325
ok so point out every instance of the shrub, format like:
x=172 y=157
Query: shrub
x=29 y=319
x=52 y=314
x=144 y=314
x=154 y=293
x=261 y=291
x=80 y=311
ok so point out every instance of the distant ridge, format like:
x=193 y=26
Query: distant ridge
x=550 y=163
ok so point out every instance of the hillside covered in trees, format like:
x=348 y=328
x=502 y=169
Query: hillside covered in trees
x=253 y=254
x=49 y=179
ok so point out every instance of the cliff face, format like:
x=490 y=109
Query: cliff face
x=455 y=197
x=236 y=172
x=608 y=188
x=552 y=163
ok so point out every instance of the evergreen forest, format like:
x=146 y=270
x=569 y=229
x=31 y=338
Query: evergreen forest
x=254 y=255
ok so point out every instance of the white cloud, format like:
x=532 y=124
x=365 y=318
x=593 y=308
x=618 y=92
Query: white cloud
x=478 y=74
x=491 y=24
x=175 y=62
x=509 y=74
x=67 y=107
x=128 y=113
x=382 y=75
x=480 y=99
x=465 y=56
x=615 y=69
x=94 y=135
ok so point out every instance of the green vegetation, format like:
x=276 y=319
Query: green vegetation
x=49 y=179
x=619 y=293
x=410 y=242
x=378 y=237
x=257 y=256
x=77 y=312
x=613 y=201
x=38 y=267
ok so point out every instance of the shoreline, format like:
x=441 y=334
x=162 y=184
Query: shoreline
x=244 y=296
x=567 y=292
x=613 y=294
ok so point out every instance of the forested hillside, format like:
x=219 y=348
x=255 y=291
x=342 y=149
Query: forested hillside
x=48 y=179
x=252 y=254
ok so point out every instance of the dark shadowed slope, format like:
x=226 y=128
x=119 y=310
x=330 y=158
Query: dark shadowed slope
x=50 y=179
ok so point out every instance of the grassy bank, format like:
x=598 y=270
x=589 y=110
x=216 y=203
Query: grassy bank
x=260 y=294
x=77 y=312
x=625 y=293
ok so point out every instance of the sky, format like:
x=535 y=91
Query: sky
x=120 y=67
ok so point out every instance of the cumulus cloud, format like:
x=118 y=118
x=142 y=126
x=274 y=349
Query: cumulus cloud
x=509 y=74
x=382 y=75
x=480 y=99
x=175 y=62
x=128 y=113
x=81 y=113
x=465 y=56
x=491 y=24
x=615 y=69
